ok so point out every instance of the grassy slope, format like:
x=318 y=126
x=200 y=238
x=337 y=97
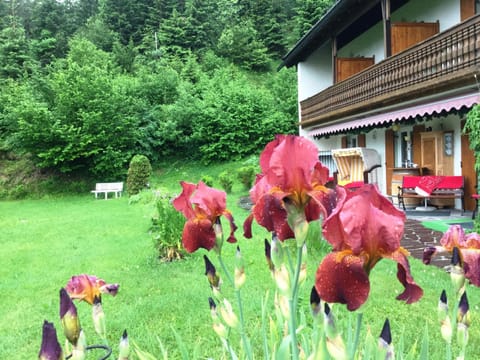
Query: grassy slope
x=44 y=242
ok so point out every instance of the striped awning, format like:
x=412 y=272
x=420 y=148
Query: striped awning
x=399 y=115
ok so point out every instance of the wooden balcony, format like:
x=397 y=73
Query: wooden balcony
x=444 y=62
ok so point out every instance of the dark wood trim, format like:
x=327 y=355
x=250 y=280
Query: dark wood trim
x=334 y=60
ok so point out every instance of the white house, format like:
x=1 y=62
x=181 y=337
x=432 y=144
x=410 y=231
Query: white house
x=397 y=76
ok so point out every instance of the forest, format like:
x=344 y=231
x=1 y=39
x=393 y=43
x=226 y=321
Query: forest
x=87 y=84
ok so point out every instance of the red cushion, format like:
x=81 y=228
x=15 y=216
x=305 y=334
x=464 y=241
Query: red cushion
x=447 y=182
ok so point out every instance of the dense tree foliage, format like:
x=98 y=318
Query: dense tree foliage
x=86 y=84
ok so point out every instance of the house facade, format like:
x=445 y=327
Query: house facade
x=396 y=76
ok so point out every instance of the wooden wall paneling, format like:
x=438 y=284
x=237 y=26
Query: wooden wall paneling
x=347 y=67
x=407 y=34
x=467 y=9
x=417 y=144
x=389 y=158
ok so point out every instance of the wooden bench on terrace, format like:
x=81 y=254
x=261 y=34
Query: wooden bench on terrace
x=114 y=187
x=431 y=187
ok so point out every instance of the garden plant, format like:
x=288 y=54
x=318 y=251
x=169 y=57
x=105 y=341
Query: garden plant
x=362 y=228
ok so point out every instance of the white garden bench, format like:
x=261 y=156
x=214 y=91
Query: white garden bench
x=114 y=187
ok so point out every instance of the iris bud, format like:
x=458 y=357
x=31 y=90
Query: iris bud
x=69 y=318
x=239 y=276
x=99 y=318
x=50 y=348
x=124 y=347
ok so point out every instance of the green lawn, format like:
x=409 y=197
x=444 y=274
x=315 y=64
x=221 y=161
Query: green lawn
x=44 y=242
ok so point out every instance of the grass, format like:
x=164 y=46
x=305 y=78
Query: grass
x=443 y=224
x=44 y=242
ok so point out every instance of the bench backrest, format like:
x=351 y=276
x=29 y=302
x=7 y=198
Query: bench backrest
x=118 y=186
x=447 y=182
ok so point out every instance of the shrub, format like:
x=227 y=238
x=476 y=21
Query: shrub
x=208 y=180
x=246 y=175
x=138 y=174
x=226 y=181
x=166 y=230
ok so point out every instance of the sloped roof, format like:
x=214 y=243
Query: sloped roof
x=356 y=15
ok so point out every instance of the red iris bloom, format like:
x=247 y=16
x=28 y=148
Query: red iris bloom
x=469 y=247
x=88 y=287
x=202 y=206
x=363 y=229
x=291 y=174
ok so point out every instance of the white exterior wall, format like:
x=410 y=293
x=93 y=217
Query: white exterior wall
x=315 y=74
x=368 y=44
x=446 y=11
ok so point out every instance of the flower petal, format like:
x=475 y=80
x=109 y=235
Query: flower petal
x=87 y=287
x=198 y=233
x=453 y=237
x=83 y=287
x=341 y=278
x=365 y=221
x=228 y=215
x=292 y=163
x=182 y=203
x=270 y=213
x=211 y=201
x=471 y=265
x=412 y=292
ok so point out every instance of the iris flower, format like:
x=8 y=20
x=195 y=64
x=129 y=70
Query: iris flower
x=202 y=206
x=69 y=318
x=469 y=247
x=363 y=229
x=292 y=180
x=50 y=348
x=87 y=287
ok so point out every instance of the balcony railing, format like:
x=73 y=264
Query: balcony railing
x=428 y=67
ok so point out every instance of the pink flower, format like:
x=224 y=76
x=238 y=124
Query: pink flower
x=202 y=206
x=468 y=246
x=87 y=287
x=292 y=179
x=363 y=229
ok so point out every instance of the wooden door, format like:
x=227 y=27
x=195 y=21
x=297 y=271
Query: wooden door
x=389 y=159
x=361 y=140
x=416 y=144
x=429 y=155
x=468 y=171
x=346 y=67
x=407 y=34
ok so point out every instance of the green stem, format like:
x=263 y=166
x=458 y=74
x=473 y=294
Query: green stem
x=357 y=336
x=293 y=302
x=448 y=353
x=246 y=343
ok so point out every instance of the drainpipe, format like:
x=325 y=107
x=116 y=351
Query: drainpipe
x=387 y=33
